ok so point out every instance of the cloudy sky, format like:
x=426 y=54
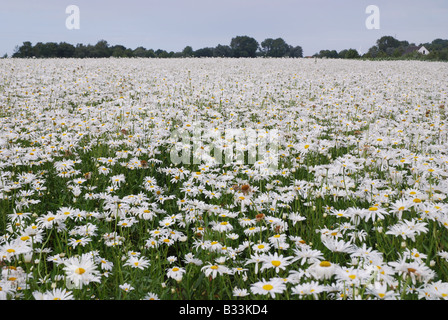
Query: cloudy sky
x=173 y=24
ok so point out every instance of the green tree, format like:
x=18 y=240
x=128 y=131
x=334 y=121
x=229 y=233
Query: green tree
x=118 y=51
x=139 y=52
x=65 y=50
x=159 y=53
x=24 y=51
x=351 y=54
x=398 y=52
x=332 y=54
x=204 y=52
x=386 y=42
x=101 y=49
x=150 y=53
x=274 y=47
x=279 y=48
x=372 y=52
x=39 y=50
x=222 y=51
x=295 y=52
x=81 y=51
x=443 y=54
x=244 y=46
x=50 y=50
x=437 y=44
x=342 y=53
x=187 y=52
x=266 y=46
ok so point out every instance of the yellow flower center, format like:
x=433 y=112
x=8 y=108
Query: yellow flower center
x=325 y=264
x=268 y=287
x=276 y=263
x=80 y=270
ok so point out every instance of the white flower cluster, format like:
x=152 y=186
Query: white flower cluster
x=342 y=195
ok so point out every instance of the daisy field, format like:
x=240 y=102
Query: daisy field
x=223 y=179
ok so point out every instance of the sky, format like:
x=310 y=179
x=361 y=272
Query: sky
x=174 y=24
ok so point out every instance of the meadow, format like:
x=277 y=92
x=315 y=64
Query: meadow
x=138 y=179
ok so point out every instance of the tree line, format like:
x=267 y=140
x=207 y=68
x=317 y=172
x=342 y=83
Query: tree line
x=239 y=47
x=388 y=47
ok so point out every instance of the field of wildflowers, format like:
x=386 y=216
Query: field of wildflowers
x=223 y=179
